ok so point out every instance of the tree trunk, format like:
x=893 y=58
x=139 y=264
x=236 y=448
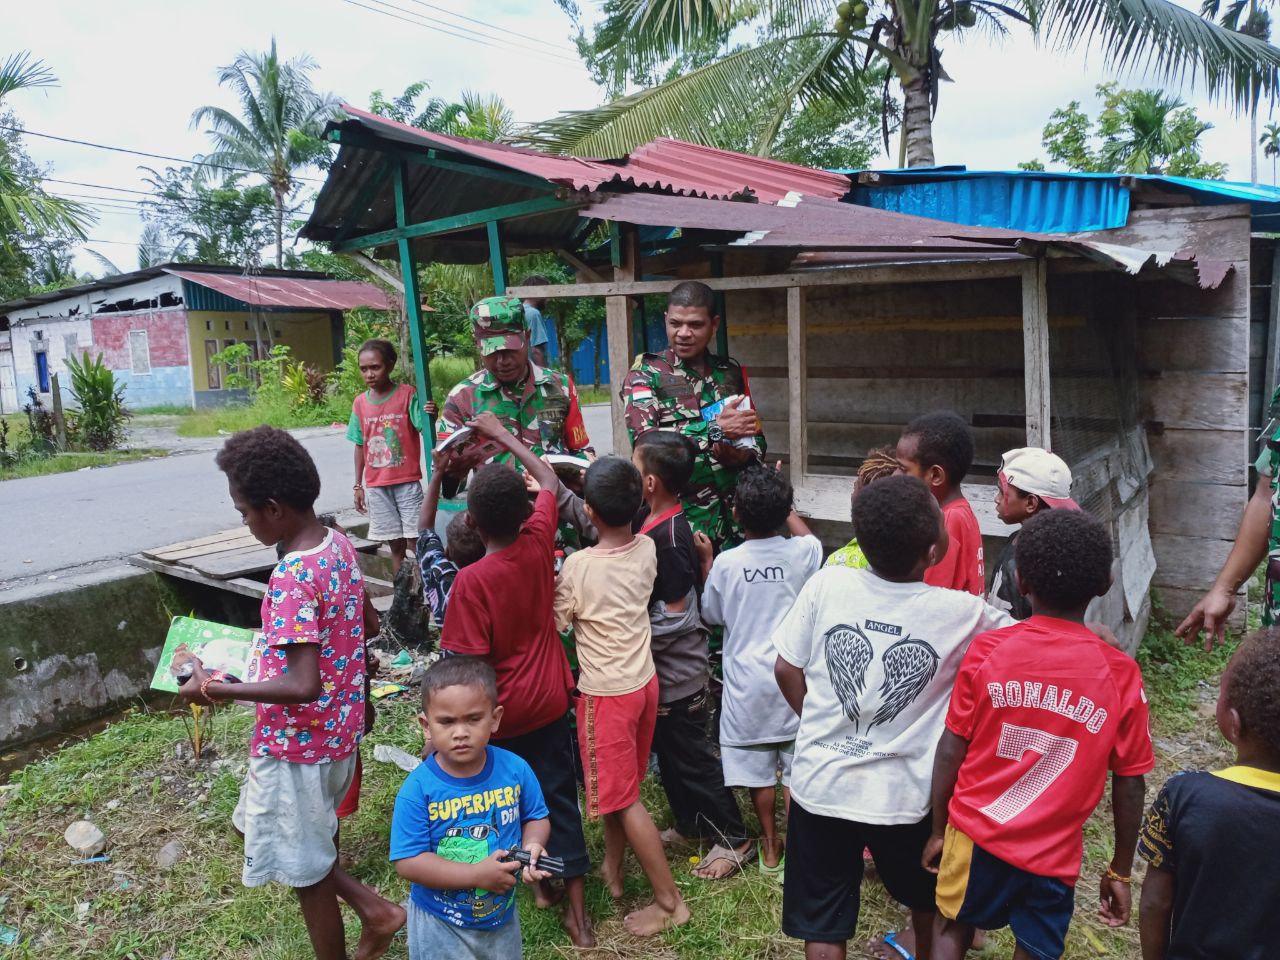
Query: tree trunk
x=1253 y=144
x=279 y=230
x=917 y=120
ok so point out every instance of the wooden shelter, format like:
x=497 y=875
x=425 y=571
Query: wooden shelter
x=1123 y=351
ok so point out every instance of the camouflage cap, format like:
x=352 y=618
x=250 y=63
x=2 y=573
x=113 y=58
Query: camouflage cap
x=498 y=324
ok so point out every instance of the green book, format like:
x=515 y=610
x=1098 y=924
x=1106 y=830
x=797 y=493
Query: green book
x=218 y=646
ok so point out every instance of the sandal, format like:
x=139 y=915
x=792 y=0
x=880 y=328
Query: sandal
x=718 y=852
x=891 y=941
x=777 y=871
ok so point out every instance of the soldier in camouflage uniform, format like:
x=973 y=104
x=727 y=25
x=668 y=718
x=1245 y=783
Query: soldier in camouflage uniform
x=538 y=405
x=1257 y=539
x=678 y=389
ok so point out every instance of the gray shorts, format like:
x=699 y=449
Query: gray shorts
x=393 y=511
x=758 y=765
x=288 y=813
x=431 y=938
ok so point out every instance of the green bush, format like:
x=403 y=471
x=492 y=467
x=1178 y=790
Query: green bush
x=100 y=422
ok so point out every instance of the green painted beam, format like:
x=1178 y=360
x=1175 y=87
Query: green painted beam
x=366 y=197
x=722 y=333
x=413 y=310
x=497 y=257
x=461 y=221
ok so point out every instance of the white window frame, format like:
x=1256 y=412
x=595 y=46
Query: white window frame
x=137 y=337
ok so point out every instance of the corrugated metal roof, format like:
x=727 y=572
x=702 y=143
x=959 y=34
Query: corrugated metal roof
x=1043 y=201
x=307 y=294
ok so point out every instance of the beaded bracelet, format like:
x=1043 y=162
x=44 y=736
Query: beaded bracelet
x=1112 y=875
x=215 y=676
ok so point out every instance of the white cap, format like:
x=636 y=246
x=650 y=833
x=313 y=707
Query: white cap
x=1033 y=470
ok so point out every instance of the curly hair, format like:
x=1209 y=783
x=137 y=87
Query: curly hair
x=1253 y=688
x=881 y=462
x=1063 y=558
x=465 y=545
x=268 y=464
x=382 y=348
x=459 y=671
x=612 y=489
x=497 y=501
x=763 y=498
x=943 y=440
x=667 y=455
x=896 y=521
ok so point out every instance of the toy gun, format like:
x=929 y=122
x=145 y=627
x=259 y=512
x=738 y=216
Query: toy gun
x=552 y=865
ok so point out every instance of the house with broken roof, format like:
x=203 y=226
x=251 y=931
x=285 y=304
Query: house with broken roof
x=158 y=329
x=1124 y=346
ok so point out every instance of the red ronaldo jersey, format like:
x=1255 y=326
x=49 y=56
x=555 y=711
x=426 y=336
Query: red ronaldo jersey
x=1048 y=708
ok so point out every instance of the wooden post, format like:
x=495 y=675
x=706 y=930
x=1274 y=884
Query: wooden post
x=1035 y=350
x=413 y=310
x=59 y=421
x=1273 y=337
x=618 y=325
x=798 y=384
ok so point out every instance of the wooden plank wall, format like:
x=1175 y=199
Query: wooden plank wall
x=1261 y=264
x=1194 y=364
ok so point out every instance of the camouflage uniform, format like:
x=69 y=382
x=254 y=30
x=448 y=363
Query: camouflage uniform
x=663 y=393
x=1268 y=466
x=542 y=410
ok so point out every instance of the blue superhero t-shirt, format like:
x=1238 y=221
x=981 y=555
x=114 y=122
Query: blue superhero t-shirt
x=465 y=820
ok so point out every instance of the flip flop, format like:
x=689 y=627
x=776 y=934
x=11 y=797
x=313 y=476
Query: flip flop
x=738 y=860
x=777 y=871
x=891 y=941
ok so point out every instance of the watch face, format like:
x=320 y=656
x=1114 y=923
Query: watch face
x=714 y=433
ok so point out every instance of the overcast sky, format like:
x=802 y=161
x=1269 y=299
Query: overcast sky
x=132 y=72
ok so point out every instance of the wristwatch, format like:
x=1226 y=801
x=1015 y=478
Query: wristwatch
x=714 y=433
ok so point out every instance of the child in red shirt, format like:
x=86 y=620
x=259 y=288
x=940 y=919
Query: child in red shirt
x=501 y=610
x=1039 y=713
x=386 y=427
x=938 y=449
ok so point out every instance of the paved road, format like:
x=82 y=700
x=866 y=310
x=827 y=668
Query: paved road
x=67 y=520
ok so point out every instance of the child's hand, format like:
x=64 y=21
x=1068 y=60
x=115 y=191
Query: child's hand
x=430 y=409
x=932 y=853
x=190 y=691
x=704 y=547
x=495 y=876
x=531 y=484
x=531 y=873
x=359 y=500
x=1116 y=902
x=487 y=425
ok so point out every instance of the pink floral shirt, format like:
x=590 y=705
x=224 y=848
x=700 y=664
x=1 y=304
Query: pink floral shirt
x=314 y=596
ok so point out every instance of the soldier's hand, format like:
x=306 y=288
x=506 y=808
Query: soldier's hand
x=732 y=456
x=737 y=424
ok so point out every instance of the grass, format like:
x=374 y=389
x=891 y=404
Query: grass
x=68 y=462
x=594 y=394
x=162 y=410
x=199 y=911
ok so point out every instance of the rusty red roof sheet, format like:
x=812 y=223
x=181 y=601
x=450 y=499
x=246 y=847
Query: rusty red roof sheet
x=662 y=164
x=261 y=291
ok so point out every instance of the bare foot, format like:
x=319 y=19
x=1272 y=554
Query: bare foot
x=906 y=939
x=580 y=929
x=376 y=935
x=547 y=894
x=771 y=853
x=652 y=920
x=613 y=878
x=722 y=867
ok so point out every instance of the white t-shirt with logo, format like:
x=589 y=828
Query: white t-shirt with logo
x=749 y=590
x=879 y=660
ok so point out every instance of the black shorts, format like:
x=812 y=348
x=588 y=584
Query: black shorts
x=820 y=899
x=549 y=751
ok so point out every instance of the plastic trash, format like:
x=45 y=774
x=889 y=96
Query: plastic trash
x=386 y=753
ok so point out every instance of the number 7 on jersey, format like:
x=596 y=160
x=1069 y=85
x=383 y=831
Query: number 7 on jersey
x=1056 y=754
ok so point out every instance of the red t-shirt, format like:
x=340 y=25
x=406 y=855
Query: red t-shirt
x=389 y=431
x=961 y=568
x=1048 y=708
x=502 y=609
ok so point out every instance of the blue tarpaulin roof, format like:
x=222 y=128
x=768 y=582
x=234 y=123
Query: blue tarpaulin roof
x=1042 y=201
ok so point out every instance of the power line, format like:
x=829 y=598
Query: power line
x=421 y=20
x=96 y=186
x=158 y=203
x=487 y=24
x=140 y=153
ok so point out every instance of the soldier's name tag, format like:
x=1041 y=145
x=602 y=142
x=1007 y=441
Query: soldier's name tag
x=672 y=386
x=555 y=411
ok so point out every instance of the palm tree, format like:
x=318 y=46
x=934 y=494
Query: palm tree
x=1144 y=130
x=154 y=248
x=1243 y=16
x=1270 y=142
x=281 y=130
x=766 y=80
x=24 y=207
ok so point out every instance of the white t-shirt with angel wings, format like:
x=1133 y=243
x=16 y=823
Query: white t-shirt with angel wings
x=879 y=659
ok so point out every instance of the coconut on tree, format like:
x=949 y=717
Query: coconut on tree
x=811 y=50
